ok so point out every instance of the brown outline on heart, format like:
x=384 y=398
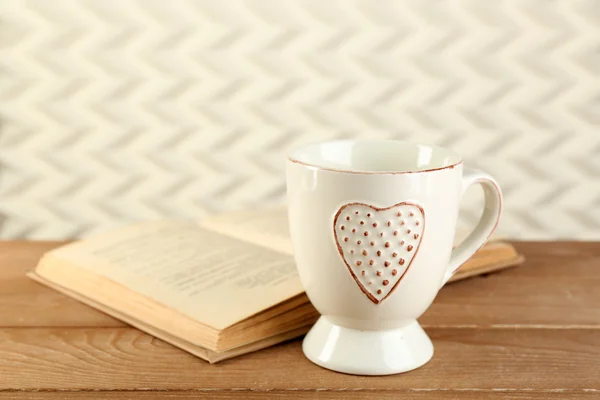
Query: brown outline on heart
x=377 y=209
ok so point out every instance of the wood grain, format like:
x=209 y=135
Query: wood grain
x=513 y=298
x=540 y=293
x=556 y=287
x=306 y=395
x=527 y=333
x=126 y=359
x=27 y=303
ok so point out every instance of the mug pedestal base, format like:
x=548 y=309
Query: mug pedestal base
x=363 y=352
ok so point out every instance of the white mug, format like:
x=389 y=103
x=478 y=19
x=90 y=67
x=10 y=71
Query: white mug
x=372 y=225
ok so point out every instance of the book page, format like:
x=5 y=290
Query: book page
x=196 y=350
x=267 y=227
x=214 y=279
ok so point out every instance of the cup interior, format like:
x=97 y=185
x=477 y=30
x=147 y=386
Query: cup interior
x=374 y=156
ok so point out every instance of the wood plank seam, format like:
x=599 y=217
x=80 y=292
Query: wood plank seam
x=307 y=390
x=527 y=333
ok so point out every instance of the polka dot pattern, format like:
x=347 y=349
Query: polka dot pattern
x=379 y=264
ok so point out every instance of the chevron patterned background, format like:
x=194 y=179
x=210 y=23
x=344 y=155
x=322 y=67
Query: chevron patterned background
x=114 y=111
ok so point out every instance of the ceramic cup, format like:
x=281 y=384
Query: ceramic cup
x=372 y=226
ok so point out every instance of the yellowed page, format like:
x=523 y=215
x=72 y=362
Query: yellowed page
x=183 y=344
x=214 y=279
x=485 y=266
x=267 y=227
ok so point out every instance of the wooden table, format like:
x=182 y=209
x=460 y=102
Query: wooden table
x=528 y=333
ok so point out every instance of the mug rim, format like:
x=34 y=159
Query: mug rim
x=291 y=158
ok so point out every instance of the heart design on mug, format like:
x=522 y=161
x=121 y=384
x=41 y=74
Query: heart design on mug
x=378 y=245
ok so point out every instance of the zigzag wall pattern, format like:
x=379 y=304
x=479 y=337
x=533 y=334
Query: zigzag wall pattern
x=116 y=111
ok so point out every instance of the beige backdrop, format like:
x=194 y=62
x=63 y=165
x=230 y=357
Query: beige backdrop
x=122 y=110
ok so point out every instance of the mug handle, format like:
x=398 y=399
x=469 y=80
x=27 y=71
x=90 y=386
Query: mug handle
x=486 y=225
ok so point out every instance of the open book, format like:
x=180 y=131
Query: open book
x=221 y=288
